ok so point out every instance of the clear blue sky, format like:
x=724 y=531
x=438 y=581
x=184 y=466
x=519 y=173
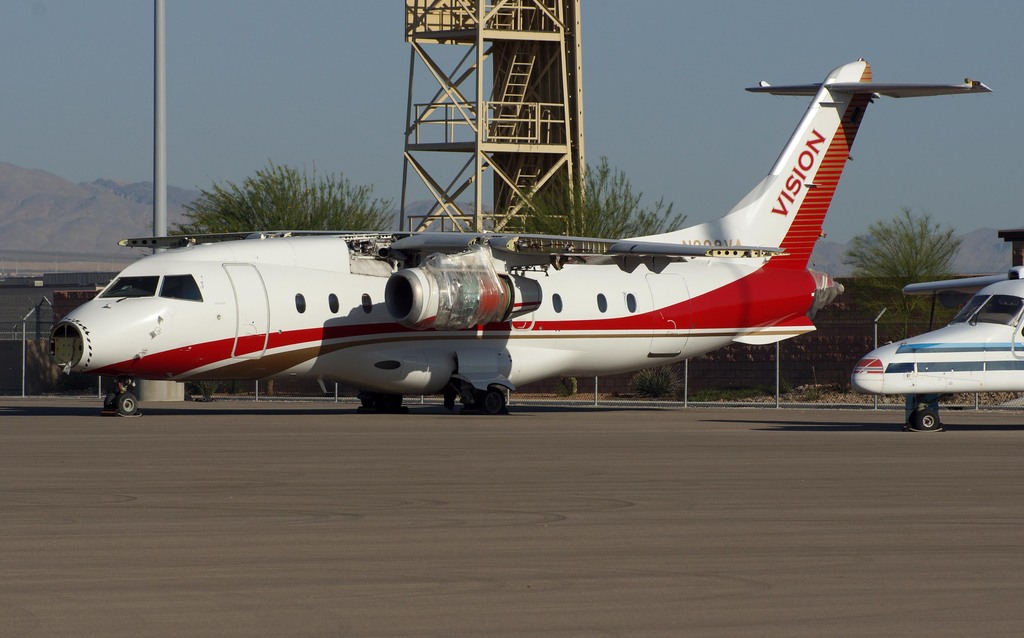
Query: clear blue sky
x=323 y=83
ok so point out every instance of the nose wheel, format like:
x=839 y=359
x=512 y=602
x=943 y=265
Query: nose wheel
x=476 y=401
x=122 y=401
x=923 y=413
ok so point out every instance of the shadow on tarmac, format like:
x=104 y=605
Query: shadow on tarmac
x=277 y=408
x=894 y=426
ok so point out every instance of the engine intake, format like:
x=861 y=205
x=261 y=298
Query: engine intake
x=455 y=292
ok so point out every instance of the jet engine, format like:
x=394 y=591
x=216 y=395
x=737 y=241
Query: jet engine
x=455 y=292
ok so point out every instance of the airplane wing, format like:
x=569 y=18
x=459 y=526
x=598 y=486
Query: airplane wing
x=525 y=245
x=558 y=245
x=180 y=241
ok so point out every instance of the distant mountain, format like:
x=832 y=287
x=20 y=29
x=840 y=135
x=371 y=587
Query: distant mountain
x=49 y=219
x=981 y=252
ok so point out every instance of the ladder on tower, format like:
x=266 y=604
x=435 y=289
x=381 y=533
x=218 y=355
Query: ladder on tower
x=510 y=114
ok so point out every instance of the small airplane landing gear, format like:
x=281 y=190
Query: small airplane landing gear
x=122 y=401
x=922 y=414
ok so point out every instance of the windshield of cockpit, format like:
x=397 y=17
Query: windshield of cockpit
x=174 y=287
x=1000 y=309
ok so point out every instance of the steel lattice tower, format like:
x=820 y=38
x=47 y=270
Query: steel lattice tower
x=511 y=104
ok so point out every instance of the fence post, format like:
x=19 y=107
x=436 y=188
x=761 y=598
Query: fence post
x=595 y=391
x=257 y=390
x=777 y=374
x=24 y=348
x=686 y=382
x=23 y=358
x=874 y=399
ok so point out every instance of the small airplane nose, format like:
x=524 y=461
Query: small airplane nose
x=868 y=375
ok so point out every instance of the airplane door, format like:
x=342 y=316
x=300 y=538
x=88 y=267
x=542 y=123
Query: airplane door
x=252 y=311
x=671 y=321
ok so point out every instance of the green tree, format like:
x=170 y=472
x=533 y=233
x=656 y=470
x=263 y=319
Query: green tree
x=893 y=253
x=605 y=207
x=282 y=198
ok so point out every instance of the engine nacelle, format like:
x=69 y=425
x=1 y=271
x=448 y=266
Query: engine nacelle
x=455 y=292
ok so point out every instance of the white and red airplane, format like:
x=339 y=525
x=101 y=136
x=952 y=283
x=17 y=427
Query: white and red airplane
x=981 y=350
x=473 y=315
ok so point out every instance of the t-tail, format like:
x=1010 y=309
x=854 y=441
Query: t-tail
x=788 y=207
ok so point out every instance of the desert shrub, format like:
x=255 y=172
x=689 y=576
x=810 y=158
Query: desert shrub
x=656 y=383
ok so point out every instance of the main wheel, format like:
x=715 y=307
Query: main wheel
x=492 y=401
x=389 y=403
x=925 y=420
x=127 y=404
x=110 y=401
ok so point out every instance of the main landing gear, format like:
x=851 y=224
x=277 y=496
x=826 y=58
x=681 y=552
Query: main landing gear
x=490 y=401
x=381 y=403
x=922 y=413
x=122 y=400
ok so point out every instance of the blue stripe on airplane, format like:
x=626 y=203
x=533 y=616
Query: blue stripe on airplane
x=925 y=348
x=955 y=366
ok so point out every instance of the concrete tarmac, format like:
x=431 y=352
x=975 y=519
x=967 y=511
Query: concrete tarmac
x=271 y=519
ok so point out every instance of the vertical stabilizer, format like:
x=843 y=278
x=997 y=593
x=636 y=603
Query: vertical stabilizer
x=787 y=208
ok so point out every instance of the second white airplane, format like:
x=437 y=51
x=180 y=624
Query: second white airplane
x=981 y=350
x=471 y=316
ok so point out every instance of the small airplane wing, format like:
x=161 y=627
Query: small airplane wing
x=968 y=285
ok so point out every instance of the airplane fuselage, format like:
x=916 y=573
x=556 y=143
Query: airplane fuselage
x=309 y=307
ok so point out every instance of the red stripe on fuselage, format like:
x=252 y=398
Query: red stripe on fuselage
x=762 y=298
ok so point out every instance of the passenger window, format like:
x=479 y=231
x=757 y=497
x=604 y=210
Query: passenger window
x=631 y=302
x=602 y=303
x=332 y=301
x=367 y=303
x=132 y=287
x=180 y=287
x=556 y=302
x=300 y=303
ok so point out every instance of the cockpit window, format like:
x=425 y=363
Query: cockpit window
x=181 y=287
x=969 y=308
x=132 y=287
x=1002 y=309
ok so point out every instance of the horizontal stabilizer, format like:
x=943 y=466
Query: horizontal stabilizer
x=887 y=89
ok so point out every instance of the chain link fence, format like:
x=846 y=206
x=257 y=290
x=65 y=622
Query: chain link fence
x=808 y=371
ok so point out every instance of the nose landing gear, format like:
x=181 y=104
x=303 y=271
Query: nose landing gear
x=922 y=413
x=121 y=401
x=475 y=401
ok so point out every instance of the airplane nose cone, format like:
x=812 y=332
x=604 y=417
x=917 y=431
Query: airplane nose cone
x=868 y=375
x=69 y=346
